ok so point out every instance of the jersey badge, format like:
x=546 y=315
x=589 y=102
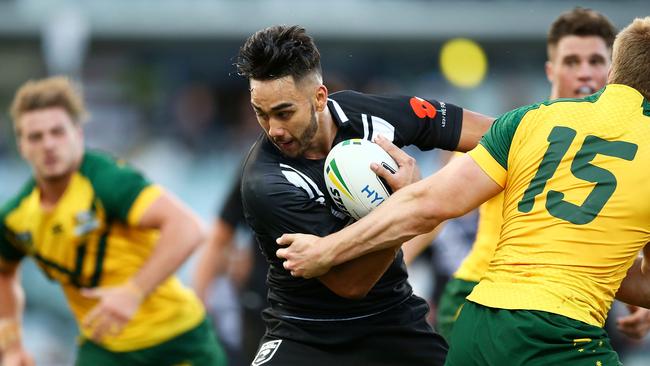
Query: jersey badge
x=423 y=108
x=85 y=222
x=266 y=352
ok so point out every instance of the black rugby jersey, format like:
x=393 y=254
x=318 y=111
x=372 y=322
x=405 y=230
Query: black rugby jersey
x=285 y=195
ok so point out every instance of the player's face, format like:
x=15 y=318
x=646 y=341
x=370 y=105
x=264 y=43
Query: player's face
x=51 y=142
x=286 y=112
x=578 y=66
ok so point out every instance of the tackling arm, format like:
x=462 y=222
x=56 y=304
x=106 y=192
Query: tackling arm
x=416 y=209
x=355 y=278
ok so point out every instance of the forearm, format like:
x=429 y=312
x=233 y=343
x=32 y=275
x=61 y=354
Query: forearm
x=12 y=303
x=206 y=270
x=355 y=278
x=416 y=209
x=12 y=296
x=212 y=261
x=178 y=239
x=396 y=221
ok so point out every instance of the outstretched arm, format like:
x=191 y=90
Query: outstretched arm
x=418 y=208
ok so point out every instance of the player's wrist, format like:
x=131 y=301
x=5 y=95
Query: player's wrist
x=10 y=335
x=135 y=290
x=331 y=253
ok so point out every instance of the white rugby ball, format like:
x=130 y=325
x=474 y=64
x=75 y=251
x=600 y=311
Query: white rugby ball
x=355 y=188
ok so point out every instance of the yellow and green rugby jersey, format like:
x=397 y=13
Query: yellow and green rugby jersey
x=576 y=206
x=487 y=236
x=89 y=240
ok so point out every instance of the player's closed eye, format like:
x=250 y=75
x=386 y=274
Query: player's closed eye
x=261 y=115
x=284 y=115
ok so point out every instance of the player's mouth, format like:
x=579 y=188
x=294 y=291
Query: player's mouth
x=585 y=90
x=50 y=160
x=286 y=145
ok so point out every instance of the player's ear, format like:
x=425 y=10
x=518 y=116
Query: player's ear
x=321 y=98
x=548 y=68
x=609 y=73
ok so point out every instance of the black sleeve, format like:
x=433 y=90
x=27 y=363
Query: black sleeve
x=425 y=123
x=273 y=206
x=232 y=211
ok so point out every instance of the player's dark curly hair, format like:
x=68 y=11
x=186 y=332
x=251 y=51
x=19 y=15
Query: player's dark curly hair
x=278 y=51
x=581 y=22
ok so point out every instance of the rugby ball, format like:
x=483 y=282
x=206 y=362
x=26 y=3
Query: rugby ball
x=355 y=188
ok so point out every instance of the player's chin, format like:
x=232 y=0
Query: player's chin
x=53 y=173
x=583 y=91
x=290 y=149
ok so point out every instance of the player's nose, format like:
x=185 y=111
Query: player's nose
x=49 y=141
x=585 y=71
x=276 y=130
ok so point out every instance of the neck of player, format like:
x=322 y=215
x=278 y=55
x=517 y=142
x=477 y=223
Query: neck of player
x=324 y=139
x=52 y=189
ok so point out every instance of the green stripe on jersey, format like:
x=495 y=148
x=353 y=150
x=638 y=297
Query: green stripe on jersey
x=115 y=183
x=498 y=139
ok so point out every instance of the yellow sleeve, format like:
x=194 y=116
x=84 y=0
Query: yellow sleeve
x=489 y=165
x=144 y=200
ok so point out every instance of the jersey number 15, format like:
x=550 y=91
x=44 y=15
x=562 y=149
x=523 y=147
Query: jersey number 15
x=560 y=140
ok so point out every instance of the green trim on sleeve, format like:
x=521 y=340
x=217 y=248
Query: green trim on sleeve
x=498 y=139
x=9 y=249
x=115 y=183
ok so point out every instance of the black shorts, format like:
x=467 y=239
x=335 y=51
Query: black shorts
x=397 y=337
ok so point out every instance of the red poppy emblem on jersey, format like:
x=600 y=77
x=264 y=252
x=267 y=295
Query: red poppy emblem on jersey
x=423 y=108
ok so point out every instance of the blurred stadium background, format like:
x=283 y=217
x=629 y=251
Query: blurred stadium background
x=162 y=91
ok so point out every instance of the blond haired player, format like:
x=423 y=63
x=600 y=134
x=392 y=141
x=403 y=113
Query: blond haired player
x=579 y=49
x=111 y=238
